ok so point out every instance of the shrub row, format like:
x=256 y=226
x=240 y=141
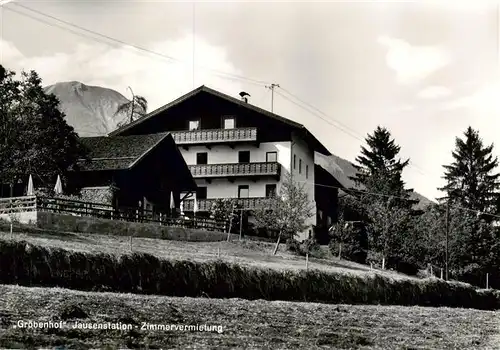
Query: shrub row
x=26 y=264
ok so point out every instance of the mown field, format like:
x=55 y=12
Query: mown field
x=27 y=264
x=245 y=253
x=245 y=324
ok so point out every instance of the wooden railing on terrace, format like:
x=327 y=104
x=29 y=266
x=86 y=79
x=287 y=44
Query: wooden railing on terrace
x=104 y=211
x=204 y=205
x=235 y=169
x=190 y=137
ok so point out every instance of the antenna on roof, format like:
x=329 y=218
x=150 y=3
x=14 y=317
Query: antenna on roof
x=244 y=96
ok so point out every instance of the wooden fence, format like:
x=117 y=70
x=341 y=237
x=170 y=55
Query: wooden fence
x=103 y=211
x=15 y=205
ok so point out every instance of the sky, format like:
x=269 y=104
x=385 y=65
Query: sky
x=426 y=70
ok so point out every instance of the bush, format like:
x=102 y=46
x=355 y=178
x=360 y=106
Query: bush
x=25 y=264
x=476 y=275
x=394 y=263
x=401 y=265
x=353 y=237
x=302 y=248
x=374 y=258
x=293 y=245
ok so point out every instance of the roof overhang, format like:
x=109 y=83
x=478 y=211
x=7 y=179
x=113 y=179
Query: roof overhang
x=319 y=147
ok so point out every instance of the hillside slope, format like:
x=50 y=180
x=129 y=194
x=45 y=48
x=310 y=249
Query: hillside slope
x=342 y=170
x=89 y=109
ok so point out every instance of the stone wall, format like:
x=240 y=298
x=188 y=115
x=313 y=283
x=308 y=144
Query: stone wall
x=27 y=217
x=102 y=195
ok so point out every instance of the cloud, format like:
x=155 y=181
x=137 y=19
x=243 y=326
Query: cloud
x=485 y=101
x=9 y=53
x=460 y=5
x=158 y=79
x=434 y=92
x=413 y=64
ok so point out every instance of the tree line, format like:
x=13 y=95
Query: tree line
x=459 y=231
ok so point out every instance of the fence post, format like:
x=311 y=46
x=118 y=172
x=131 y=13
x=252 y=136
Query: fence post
x=307 y=260
x=487 y=280
x=241 y=222
x=340 y=250
x=441 y=273
x=432 y=272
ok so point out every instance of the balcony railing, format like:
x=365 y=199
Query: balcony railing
x=235 y=169
x=214 y=136
x=204 y=205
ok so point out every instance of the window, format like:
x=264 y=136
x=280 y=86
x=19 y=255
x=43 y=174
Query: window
x=271 y=157
x=270 y=190
x=229 y=122
x=244 y=157
x=201 y=193
x=300 y=166
x=202 y=158
x=243 y=191
x=194 y=125
x=307 y=171
x=295 y=161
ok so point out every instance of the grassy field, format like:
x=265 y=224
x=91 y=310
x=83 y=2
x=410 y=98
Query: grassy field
x=248 y=253
x=245 y=324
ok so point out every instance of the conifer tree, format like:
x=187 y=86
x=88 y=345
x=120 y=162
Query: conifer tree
x=386 y=204
x=379 y=169
x=471 y=180
x=471 y=188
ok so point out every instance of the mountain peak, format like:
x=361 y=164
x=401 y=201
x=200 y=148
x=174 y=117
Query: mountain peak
x=90 y=110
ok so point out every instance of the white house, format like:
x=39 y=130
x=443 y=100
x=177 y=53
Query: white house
x=237 y=150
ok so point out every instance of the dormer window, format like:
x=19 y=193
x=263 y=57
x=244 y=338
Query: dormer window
x=229 y=122
x=194 y=125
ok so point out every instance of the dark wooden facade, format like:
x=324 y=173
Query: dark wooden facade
x=210 y=107
x=326 y=193
x=151 y=173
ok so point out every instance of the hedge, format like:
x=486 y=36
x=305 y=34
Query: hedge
x=25 y=264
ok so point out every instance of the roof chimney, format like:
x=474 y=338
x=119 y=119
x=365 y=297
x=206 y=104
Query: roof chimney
x=244 y=96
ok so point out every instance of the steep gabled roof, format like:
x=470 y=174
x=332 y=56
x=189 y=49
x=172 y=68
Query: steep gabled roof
x=119 y=152
x=221 y=95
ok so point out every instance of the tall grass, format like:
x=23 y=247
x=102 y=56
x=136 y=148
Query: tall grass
x=26 y=264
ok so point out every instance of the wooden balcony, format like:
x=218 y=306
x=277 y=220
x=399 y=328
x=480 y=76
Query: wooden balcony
x=204 y=205
x=232 y=170
x=214 y=136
